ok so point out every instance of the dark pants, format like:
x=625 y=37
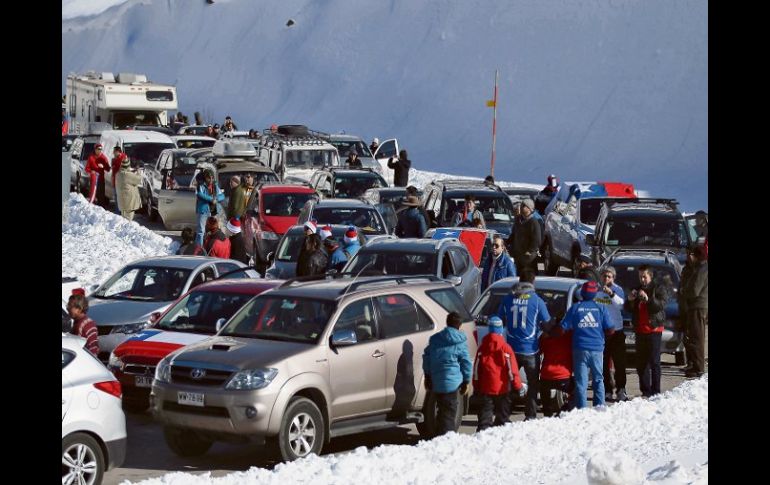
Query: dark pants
x=550 y=406
x=493 y=410
x=522 y=265
x=101 y=197
x=648 y=362
x=695 y=338
x=615 y=349
x=531 y=364
x=447 y=412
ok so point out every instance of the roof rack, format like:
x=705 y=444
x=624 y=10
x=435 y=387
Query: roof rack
x=672 y=203
x=666 y=252
x=450 y=184
x=304 y=279
x=399 y=280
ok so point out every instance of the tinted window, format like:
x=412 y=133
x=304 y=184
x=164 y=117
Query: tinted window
x=199 y=311
x=159 y=95
x=665 y=232
x=308 y=158
x=393 y=263
x=450 y=301
x=66 y=357
x=206 y=275
x=145 y=284
x=400 y=315
x=145 y=153
x=359 y=317
x=589 y=210
x=365 y=218
x=284 y=205
x=459 y=259
x=288 y=249
x=352 y=186
x=494 y=207
x=281 y=318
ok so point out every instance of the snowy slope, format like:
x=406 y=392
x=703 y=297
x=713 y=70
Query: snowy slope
x=582 y=445
x=602 y=90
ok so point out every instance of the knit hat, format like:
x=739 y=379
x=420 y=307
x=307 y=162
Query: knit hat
x=79 y=291
x=351 y=235
x=495 y=324
x=310 y=225
x=528 y=203
x=233 y=225
x=325 y=232
x=588 y=292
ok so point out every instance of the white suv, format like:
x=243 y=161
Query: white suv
x=93 y=426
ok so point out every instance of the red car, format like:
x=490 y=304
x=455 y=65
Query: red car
x=193 y=317
x=270 y=211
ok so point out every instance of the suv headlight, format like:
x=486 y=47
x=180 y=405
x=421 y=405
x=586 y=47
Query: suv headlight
x=268 y=236
x=252 y=379
x=163 y=371
x=115 y=361
x=130 y=328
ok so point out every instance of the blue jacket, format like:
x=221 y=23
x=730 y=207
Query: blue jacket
x=523 y=313
x=588 y=320
x=613 y=305
x=338 y=259
x=204 y=198
x=446 y=360
x=352 y=248
x=503 y=268
x=411 y=223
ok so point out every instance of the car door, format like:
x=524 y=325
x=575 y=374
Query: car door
x=67 y=356
x=470 y=276
x=357 y=372
x=387 y=149
x=405 y=329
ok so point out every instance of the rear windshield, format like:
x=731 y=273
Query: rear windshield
x=393 y=263
x=352 y=186
x=365 y=218
x=494 y=208
x=664 y=232
x=555 y=301
x=344 y=147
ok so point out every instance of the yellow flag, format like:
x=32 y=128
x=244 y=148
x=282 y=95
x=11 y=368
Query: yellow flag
x=491 y=103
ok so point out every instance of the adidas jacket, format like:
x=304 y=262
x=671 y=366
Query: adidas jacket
x=588 y=321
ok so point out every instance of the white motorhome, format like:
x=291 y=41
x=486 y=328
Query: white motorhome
x=125 y=101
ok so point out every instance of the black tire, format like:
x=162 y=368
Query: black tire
x=83 y=451
x=294 y=130
x=428 y=427
x=135 y=405
x=303 y=416
x=550 y=266
x=679 y=358
x=185 y=442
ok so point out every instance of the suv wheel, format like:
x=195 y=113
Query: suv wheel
x=184 y=442
x=429 y=425
x=550 y=266
x=302 y=430
x=82 y=460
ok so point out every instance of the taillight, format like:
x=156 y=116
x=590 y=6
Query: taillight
x=110 y=387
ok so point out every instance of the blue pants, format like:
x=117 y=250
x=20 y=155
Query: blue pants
x=201 y=228
x=583 y=361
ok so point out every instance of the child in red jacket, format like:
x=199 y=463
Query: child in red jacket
x=495 y=375
x=556 y=370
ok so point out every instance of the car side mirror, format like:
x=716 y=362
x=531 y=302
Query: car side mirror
x=343 y=338
x=590 y=240
x=220 y=323
x=455 y=280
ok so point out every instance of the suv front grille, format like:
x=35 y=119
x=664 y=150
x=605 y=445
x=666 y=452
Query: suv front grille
x=201 y=411
x=183 y=375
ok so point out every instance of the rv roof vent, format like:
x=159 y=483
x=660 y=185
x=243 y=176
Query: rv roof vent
x=107 y=77
x=128 y=78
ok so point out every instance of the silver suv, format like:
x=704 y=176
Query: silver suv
x=308 y=361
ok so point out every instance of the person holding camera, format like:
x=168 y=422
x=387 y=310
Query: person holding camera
x=208 y=197
x=647 y=305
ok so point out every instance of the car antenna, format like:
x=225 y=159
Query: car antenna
x=356 y=277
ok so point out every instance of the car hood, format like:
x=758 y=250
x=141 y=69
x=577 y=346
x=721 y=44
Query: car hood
x=503 y=228
x=157 y=343
x=241 y=353
x=279 y=225
x=122 y=312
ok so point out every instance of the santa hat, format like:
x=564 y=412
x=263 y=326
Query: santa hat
x=325 y=232
x=310 y=225
x=351 y=235
x=233 y=225
x=79 y=291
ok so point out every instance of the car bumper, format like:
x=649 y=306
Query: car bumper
x=670 y=342
x=116 y=453
x=224 y=411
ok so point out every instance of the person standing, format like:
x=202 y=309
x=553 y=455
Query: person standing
x=216 y=244
x=497 y=265
x=189 y=247
x=374 y=146
x=96 y=165
x=697 y=295
x=556 y=372
x=612 y=296
x=647 y=305
x=82 y=326
x=352 y=245
x=118 y=159
x=400 y=166
x=237 y=248
x=447 y=367
x=316 y=260
x=128 y=181
x=589 y=323
x=208 y=197
x=411 y=223
x=337 y=256
x=466 y=216
x=495 y=376
x=526 y=238
x=236 y=206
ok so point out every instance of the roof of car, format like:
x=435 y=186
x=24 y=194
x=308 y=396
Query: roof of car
x=410 y=245
x=541 y=283
x=241 y=166
x=353 y=171
x=182 y=262
x=132 y=136
x=641 y=211
x=286 y=188
x=342 y=203
x=192 y=137
x=337 y=229
x=331 y=288
x=242 y=285
x=343 y=137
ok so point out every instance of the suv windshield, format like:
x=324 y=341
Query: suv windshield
x=145 y=153
x=393 y=263
x=555 y=301
x=144 y=284
x=284 y=205
x=309 y=158
x=344 y=148
x=199 y=311
x=589 y=210
x=664 y=232
x=125 y=119
x=350 y=186
x=281 y=318
x=365 y=218
x=494 y=207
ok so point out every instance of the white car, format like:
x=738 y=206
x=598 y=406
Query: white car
x=93 y=426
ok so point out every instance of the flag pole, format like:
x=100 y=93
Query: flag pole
x=494 y=126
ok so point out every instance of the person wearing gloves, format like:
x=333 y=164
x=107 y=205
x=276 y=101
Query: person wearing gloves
x=448 y=368
x=237 y=248
x=611 y=295
x=128 y=181
x=495 y=376
x=589 y=323
x=351 y=242
x=497 y=265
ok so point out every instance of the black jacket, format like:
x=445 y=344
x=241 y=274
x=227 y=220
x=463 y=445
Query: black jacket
x=313 y=263
x=238 y=249
x=696 y=291
x=410 y=223
x=526 y=239
x=401 y=167
x=656 y=305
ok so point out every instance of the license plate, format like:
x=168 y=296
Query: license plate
x=631 y=338
x=190 y=398
x=143 y=381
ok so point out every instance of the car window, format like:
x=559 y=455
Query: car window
x=67 y=356
x=359 y=317
x=589 y=210
x=393 y=263
x=666 y=232
x=352 y=186
x=628 y=277
x=400 y=315
x=308 y=158
x=450 y=300
x=344 y=147
x=367 y=218
x=145 y=153
x=206 y=275
x=281 y=318
x=199 y=311
x=459 y=260
x=144 y=284
x=494 y=207
x=223 y=268
x=447 y=269
x=284 y=205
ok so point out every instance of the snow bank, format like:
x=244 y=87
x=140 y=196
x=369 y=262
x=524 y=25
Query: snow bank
x=96 y=243
x=84 y=8
x=543 y=451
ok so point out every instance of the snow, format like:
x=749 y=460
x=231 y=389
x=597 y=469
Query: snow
x=96 y=243
x=668 y=433
x=608 y=90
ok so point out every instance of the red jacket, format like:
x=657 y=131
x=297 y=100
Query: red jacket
x=217 y=245
x=97 y=164
x=86 y=328
x=495 y=370
x=117 y=162
x=557 y=357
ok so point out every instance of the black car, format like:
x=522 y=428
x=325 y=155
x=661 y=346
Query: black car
x=389 y=201
x=667 y=272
